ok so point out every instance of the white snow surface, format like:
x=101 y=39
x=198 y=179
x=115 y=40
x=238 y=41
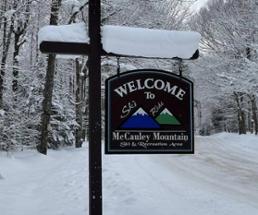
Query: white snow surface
x=219 y=179
x=72 y=3
x=198 y=5
x=144 y=42
x=64 y=33
x=140 y=111
x=2 y=112
x=129 y=41
x=8 y=14
x=166 y=111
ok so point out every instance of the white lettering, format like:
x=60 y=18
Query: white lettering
x=147 y=85
x=169 y=89
x=180 y=94
x=139 y=86
x=131 y=86
x=156 y=84
x=149 y=95
x=121 y=90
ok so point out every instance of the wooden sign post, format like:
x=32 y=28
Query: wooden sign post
x=95 y=167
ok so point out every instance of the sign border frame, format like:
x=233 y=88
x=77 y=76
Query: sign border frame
x=146 y=151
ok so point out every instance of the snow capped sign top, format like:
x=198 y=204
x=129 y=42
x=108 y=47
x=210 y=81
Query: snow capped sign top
x=128 y=41
x=64 y=33
x=144 y=42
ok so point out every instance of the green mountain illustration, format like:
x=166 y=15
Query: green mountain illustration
x=167 y=118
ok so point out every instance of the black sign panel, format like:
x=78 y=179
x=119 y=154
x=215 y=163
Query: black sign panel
x=149 y=111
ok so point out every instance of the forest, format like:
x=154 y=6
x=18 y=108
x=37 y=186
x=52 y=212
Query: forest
x=44 y=98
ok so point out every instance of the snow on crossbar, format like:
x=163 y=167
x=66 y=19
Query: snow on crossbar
x=121 y=41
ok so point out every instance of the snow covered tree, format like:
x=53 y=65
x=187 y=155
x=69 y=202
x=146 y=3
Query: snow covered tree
x=7 y=29
x=49 y=84
x=229 y=30
x=21 y=21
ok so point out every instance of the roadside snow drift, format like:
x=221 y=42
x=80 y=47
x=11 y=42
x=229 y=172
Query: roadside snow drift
x=219 y=179
x=128 y=41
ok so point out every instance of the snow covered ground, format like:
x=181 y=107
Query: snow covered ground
x=220 y=179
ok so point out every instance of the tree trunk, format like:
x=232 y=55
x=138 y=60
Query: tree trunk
x=254 y=114
x=78 y=105
x=16 y=62
x=19 y=33
x=2 y=11
x=6 y=44
x=249 y=118
x=37 y=37
x=199 y=115
x=4 y=55
x=49 y=84
x=254 y=111
x=240 y=113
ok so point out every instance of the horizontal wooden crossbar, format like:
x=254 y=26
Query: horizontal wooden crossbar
x=69 y=48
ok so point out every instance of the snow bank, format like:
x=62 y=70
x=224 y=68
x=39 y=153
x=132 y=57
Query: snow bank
x=247 y=144
x=219 y=179
x=128 y=41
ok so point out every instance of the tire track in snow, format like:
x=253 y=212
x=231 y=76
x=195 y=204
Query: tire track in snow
x=220 y=170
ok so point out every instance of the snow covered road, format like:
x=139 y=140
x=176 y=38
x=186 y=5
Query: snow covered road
x=221 y=178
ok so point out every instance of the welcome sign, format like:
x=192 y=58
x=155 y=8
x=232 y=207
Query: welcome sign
x=149 y=111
